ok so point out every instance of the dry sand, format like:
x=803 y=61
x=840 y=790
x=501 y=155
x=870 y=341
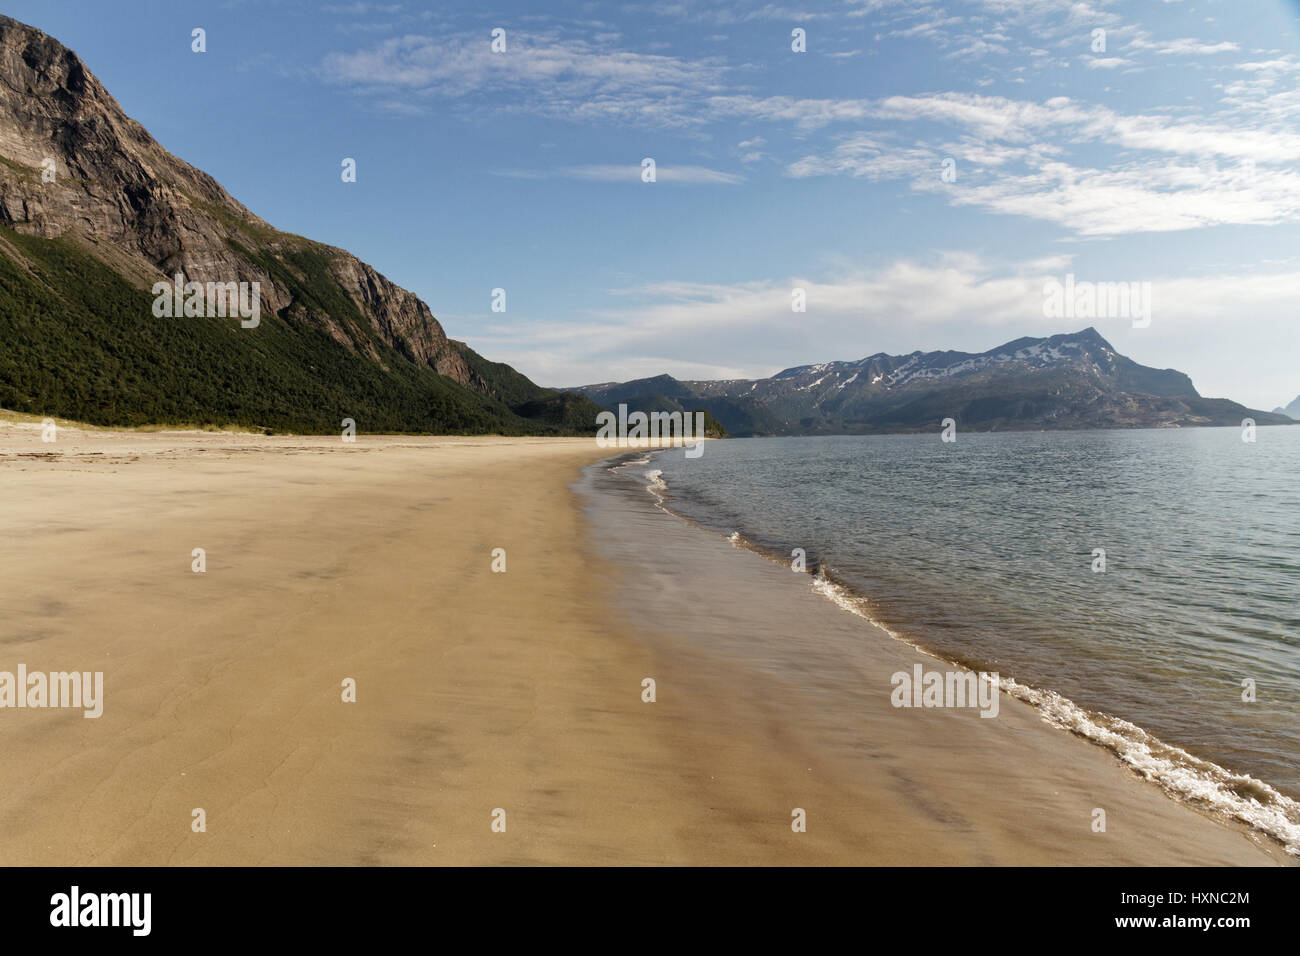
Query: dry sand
x=475 y=690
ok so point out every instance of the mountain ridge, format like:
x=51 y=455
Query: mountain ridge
x=1062 y=381
x=1290 y=411
x=83 y=185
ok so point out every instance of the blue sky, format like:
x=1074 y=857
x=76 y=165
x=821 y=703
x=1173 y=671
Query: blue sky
x=1170 y=158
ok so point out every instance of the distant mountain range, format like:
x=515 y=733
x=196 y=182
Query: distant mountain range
x=93 y=212
x=1292 y=410
x=1061 y=382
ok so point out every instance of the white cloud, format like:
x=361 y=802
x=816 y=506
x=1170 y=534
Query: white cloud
x=1000 y=118
x=631 y=173
x=957 y=301
x=1105 y=63
x=1286 y=64
x=568 y=78
x=803 y=112
x=1154 y=197
x=666 y=174
x=1091 y=169
x=866 y=157
x=1182 y=47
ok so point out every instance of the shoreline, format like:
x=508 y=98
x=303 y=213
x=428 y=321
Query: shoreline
x=475 y=690
x=1197 y=783
x=1084 y=757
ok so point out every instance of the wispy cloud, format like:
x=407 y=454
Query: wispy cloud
x=615 y=173
x=1184 y=46
x=1136 y=198
x=563 y=77
x=1105 y=62
x=951 y=300
x=1093 y=169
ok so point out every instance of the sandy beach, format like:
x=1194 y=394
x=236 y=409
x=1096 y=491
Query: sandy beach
x=478 y=690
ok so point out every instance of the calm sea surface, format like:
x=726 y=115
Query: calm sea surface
x=982 y=551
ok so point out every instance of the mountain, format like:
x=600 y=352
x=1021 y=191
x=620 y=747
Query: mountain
x=80 y=254
x=1065 y=381
x=663 y=393
x=1292 y=410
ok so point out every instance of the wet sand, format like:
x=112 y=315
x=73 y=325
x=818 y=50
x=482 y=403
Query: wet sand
x=478 y=691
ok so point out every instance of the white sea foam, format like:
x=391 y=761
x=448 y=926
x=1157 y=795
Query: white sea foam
x=842 y=597
x=1201 y=783
x=642 y=460
x=654 y=476
x=657 y=486
x=1198 y=782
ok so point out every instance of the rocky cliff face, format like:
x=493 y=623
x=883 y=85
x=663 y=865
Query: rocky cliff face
x=149 y=215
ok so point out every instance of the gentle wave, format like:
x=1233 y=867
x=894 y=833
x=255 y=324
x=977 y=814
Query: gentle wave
x=655 y=483
x=625 y=461
x=1183 y=776
x=657 y=487
x=1198 y=782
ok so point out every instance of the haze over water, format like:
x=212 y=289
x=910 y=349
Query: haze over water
x=982 y=551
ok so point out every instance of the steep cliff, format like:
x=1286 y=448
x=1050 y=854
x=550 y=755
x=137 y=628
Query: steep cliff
x=84 y=186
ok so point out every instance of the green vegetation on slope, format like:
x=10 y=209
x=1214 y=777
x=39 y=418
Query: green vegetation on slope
x=79 y=342
x=662 y=403
x=567 y=411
